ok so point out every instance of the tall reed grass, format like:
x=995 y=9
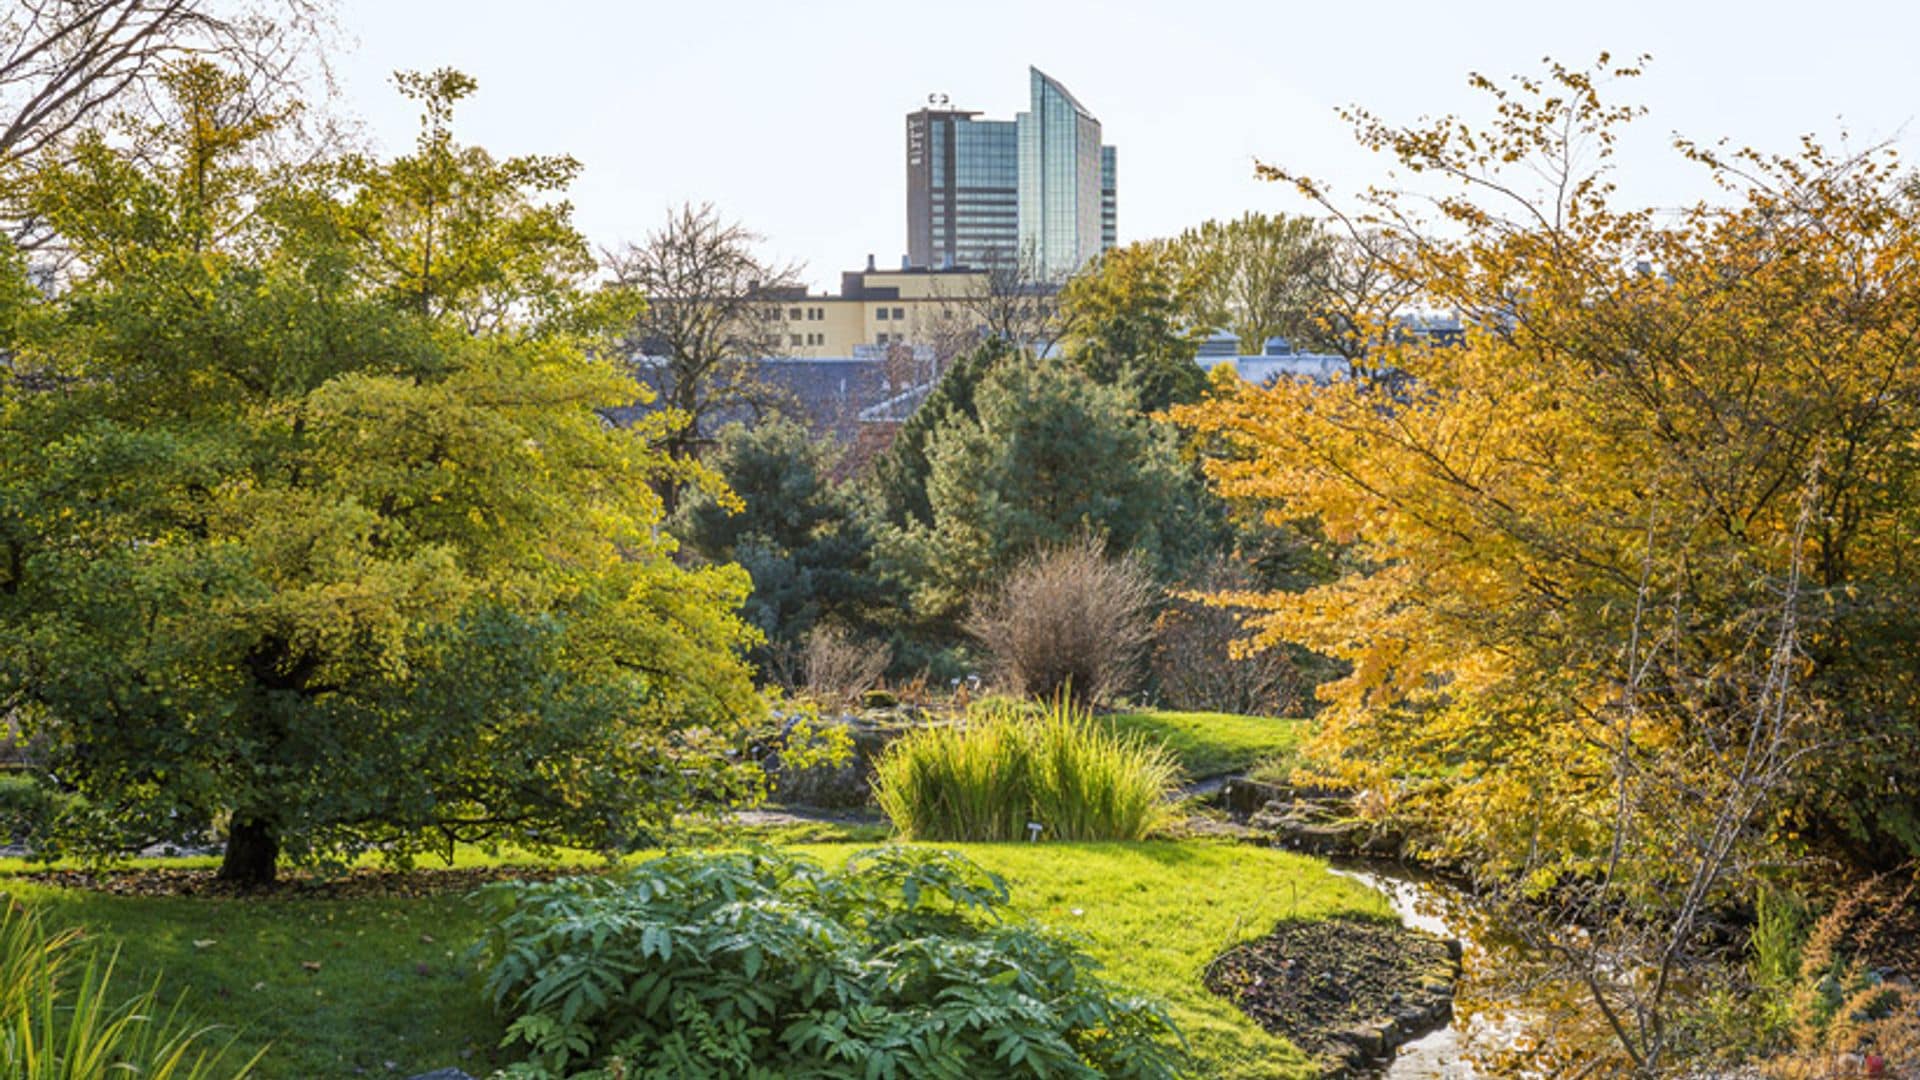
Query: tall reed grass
x=60 y=1019
x=987 y=779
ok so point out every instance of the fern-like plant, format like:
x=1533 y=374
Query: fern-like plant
x=762 y=965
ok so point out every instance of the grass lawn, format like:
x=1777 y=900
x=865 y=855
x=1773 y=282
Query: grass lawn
x=1156 y=913
x=375 y=986
x=1209 y=744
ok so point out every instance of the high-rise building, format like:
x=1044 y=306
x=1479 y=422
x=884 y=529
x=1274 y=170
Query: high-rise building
x=963 y=189
x=1061 y=180
x=1038 y=189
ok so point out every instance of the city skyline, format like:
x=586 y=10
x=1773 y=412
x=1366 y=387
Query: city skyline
x=796 y=114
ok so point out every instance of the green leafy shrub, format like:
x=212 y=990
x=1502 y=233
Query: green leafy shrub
x=58 y=1020
x=30 y=809
x=988 y=779
x=764 y=964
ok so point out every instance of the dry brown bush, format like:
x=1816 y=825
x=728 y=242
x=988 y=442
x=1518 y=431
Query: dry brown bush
x=1067 y=620
x=1192 y=662
x=838 y=667
x=1841 y=1015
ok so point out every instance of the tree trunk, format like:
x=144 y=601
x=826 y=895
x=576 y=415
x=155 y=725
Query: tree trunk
x=253 y=849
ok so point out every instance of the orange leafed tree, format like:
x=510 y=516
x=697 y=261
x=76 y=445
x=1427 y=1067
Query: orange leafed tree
x=1591 y=507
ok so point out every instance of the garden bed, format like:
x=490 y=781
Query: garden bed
x=1348 y=991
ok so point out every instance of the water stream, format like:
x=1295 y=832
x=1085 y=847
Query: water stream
x=1424 y=902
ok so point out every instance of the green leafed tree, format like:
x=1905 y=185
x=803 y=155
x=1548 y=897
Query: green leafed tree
x=899 y=477
x=1048 y=455
x=1129 y=324
x=310 y=529
x=1260 y=276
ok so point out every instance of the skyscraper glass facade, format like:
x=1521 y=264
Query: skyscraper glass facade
x=1061 y=174
x=962 y=189
x=989 y=192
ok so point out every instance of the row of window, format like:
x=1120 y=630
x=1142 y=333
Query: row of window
x=811 y=339
x=813 y=314
x=898 y=313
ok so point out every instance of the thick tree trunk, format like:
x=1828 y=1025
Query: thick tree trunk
x=253 y=849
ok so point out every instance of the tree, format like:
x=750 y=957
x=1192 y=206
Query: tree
x=796 y=531
x=1048 y=455
x=294 y=544
x=712 y=313
x=1258 y=276
x=1632 y=558
x=1128 y=325
x=452 y=233
x=1014 y=304
x=899 y=476
x=68 y=63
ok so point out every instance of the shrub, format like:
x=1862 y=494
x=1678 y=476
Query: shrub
x=986 y=779
x=1067 y=619
x=763 y=964
x=1192 y=659
x=58 y=1022
x=30 y=809
x=839 y=667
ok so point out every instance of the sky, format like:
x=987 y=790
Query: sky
x=789 y=116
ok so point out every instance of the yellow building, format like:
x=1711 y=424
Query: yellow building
x=884 y=307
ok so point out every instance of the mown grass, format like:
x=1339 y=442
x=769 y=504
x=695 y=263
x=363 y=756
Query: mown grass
x=346 y=987
x=1156 y=913
x=1213 y=744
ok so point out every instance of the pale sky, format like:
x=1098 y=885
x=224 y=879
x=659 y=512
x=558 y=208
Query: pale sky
x=789 y=116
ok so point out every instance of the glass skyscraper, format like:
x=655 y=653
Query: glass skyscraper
x=963 y=190
x=1040 y=188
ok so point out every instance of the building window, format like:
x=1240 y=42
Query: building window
x=793 y=339
x=815 y=314
x=880 y=313
x=899 y=313
x=793 y=314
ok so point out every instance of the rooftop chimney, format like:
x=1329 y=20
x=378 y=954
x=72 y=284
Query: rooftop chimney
x=869 y=262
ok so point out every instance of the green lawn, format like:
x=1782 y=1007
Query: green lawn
x=390 y=996
x=1210 y=744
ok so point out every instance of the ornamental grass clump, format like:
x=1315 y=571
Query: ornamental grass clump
x=59 y=1019
x=763 y=964
x=989 y=779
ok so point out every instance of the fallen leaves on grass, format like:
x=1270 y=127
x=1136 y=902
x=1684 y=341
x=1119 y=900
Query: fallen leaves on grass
x=354 y=885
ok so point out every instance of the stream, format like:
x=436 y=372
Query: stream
x=1424 y=902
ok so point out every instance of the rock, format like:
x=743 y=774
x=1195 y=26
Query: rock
x=850 y=785
x=1244 y=796
x=1369 y=1039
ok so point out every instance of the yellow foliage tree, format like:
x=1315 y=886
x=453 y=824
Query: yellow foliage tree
x=1593 y=506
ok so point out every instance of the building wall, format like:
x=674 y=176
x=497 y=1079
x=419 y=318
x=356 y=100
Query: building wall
x=962 y=189
x=1062 y=180
x=879 y=307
